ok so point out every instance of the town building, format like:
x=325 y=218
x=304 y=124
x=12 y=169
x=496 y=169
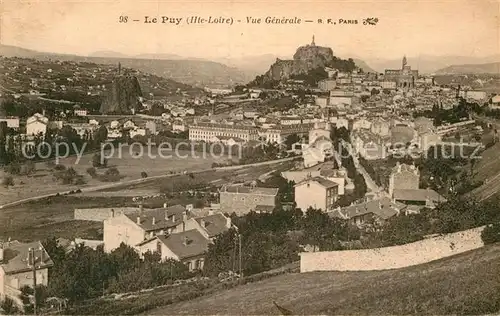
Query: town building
x=405 y=77
x=36 y=125
x=403 y=176
x=243 y=199
x=279 y=134
x=373 y=212
x=206 y=131
x=16 y=268
x=473 y=95
x=174 y=232
x=12 y=121
x=404 y=188
x=316 y=192
x=327 y=84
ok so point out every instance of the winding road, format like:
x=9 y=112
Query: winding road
x=138 y=181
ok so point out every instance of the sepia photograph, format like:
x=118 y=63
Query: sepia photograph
x=217 y=157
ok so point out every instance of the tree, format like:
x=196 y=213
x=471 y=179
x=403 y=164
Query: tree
x=318 y=230
x=8 y=181
x=291 y=139
x=144 y=175
x=99 y=161
x=101 y=134
x=8 y=307
x=491 y=233
x=92 y=172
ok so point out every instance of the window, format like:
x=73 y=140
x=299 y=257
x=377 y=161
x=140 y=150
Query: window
x=158 y=247
x=189 y=265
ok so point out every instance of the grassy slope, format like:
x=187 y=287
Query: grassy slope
x=465 y=284
x=488 y=170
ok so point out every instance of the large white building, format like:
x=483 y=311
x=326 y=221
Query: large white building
x=36 y=125
x=206 y=132
x=316 y=192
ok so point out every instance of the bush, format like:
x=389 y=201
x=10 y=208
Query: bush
x=98 y=161
x=9 y=307
x=14 y=168
x=144 y=175
x=8 y=181
x=111 y=175
x=92 y=172
x=60 y=167
x=29 y=167
x=491 y=234
x=80 y=181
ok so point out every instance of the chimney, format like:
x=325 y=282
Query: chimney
x=138 y=220
x=165 y=205
x=42 y=252
x=154 y=221
x=31 y=258
x=173 y=218
x=186 y=241
x=112 y=212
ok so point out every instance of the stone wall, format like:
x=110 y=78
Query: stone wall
x=100 y=214
x=392 y=257
x=243 y=203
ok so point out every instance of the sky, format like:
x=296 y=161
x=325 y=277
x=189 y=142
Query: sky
x=411 y=27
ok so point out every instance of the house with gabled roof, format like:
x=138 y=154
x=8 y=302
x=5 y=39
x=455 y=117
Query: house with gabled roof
x=16 y=267
x=379 y=210
x=316 y=192
x=145 y=230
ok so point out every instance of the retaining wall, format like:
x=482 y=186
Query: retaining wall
x=100 y=214
x=393 y=257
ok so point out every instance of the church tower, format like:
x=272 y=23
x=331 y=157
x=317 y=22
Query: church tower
x=404 y=62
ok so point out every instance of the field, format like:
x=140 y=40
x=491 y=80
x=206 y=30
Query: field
x=53 y=216
x=453 y=285
x=129 y=166
x=488 y=171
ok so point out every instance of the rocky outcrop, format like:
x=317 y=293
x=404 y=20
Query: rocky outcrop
x=123 y=96
x=305 y=58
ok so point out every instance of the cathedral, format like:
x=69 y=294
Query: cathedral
x=404 y=77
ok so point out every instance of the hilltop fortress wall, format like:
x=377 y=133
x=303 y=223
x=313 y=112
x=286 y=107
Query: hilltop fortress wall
x=395 y=257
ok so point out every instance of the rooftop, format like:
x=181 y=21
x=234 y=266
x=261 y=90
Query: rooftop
x=383 y=208
x=186 y=244
x=250 y=190
x=157 y=219
x=321 y=181
x=417 y=195
x=16 y=257
x=214 y=224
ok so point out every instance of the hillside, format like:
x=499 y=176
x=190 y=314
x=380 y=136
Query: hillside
x=428 y=63
x=488 y=171
x=450 y=286
x=489 y=68
x=192 y=72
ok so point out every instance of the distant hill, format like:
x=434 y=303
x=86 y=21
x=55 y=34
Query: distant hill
x=363 y=65
x=193 y=72
x=429 y=63
x=489 y=68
